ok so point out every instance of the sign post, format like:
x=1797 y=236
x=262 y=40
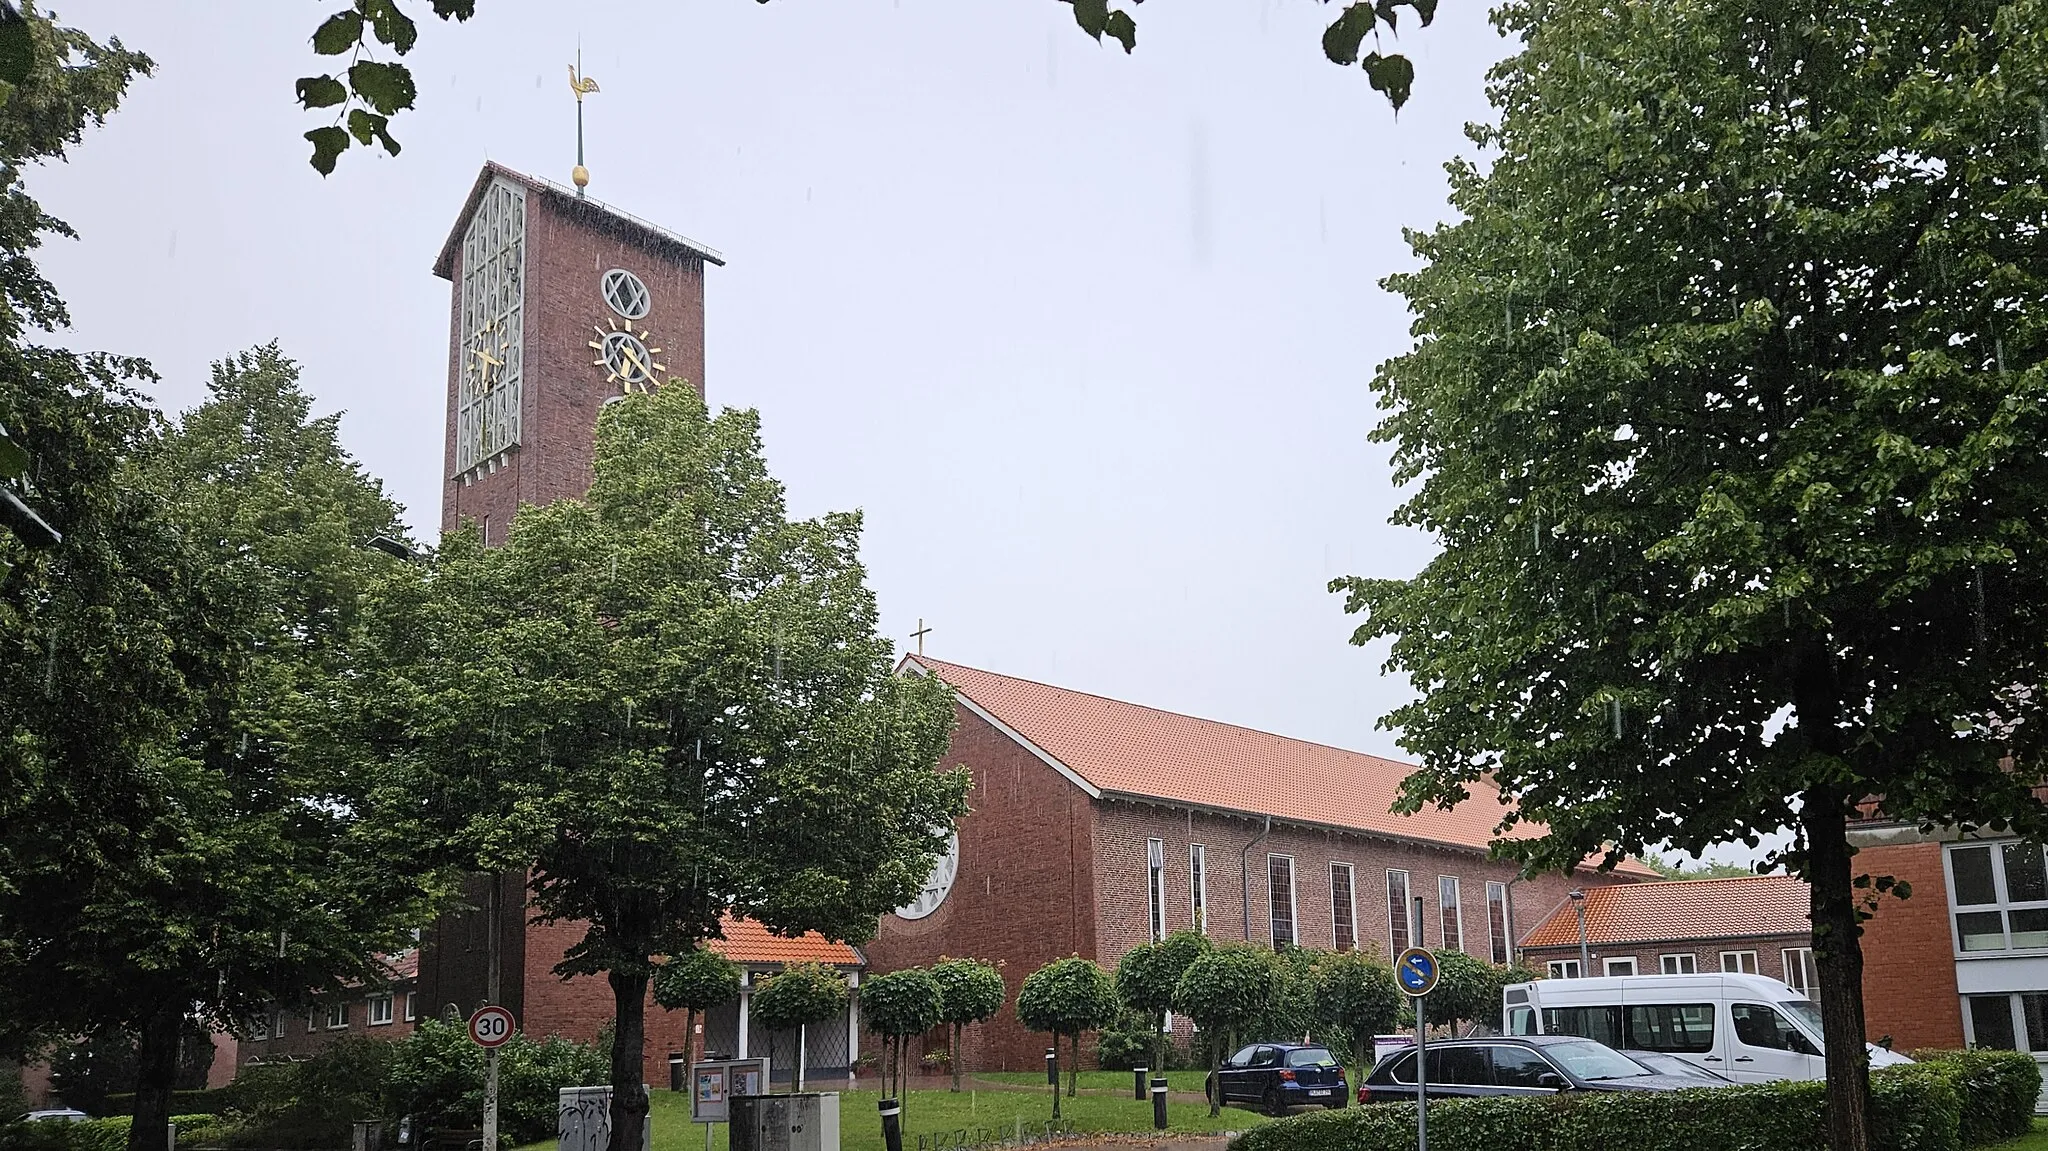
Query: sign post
x=490 y=1028
x=1416 y=971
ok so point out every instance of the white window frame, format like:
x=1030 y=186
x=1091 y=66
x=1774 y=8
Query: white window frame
x=1397 y=911
x=2021 y=1040
x=2004 y=906
x=412 y=1006
x=1198 y=887
x=371 y=1010
x=1155 y=889
x=1449 y=910
x=312 y=1020
x=1563 y=969
x=1351 y=902
x=1671 y=962
x=1499 y=951
x=338 y=1010
x=1802 y=957
x=1293 y=903
x=1738 y=968
x=1607 y=966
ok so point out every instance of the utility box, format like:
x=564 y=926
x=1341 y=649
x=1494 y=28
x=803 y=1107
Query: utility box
x=804 y=1122
x=584 y=1121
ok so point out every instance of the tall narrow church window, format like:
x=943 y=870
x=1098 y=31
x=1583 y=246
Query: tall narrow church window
x=1155 y=888
x=490 y=327
x=1397 y=912
x=1343 y=908
x=1198 y=886
x=1499 y=930
x=1453 y=915
x=1280 y=899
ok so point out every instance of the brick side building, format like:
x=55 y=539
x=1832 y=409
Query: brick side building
x=1755 y=924
x=384 y=1010
x=1096 y=824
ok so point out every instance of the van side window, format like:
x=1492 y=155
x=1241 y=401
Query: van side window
x=1675 y=1027
x=1600 y=1024
x=1522 y=1021
x=1761 y=1026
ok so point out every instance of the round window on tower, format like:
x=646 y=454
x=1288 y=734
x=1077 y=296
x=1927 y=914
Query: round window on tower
x=625 y=293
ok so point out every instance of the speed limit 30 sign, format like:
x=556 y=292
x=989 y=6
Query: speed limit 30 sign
x=491 y=1026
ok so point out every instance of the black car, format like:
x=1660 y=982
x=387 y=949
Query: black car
x=1514 y=1065
x=1278 y=1076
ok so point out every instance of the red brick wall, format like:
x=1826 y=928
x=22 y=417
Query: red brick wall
x=1122 y=829
x=1909 y=966
x=1023 y=895
x=567 y=253
x=1770 y=953
x=297 y=1041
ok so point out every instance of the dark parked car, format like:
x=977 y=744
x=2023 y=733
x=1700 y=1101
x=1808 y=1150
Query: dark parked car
x=1515 y=1065
x=1277 y=1076
x=1665 y=1063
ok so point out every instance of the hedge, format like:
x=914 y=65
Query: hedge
x=212 y=1101
x=1912 y=1109
x=2001 y=1087
x=87 y=1135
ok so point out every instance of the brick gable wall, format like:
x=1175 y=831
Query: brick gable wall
x=1023 y=895
x=1909 y=965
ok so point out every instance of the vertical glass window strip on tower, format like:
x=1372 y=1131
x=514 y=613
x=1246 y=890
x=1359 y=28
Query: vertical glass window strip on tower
x=492 y=318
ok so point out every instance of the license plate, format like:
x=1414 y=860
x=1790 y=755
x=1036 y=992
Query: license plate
x=1313 y=1094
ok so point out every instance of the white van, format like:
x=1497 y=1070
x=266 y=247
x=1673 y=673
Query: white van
x=1745 y=1027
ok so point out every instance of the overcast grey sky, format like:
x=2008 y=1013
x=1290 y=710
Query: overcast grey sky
x=1086 y=336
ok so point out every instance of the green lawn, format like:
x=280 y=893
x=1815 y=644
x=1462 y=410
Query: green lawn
x=2038 y=1141
x=1112 y=1082
x=931 y=1112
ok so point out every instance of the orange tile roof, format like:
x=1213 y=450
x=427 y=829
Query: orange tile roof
x=1118 y=748
x=1681 y=909
x=748 y=942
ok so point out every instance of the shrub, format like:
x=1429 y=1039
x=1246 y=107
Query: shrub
x=1912 y=1109
x=109 y=1134
x=202 y=1102
x=2000 y=1088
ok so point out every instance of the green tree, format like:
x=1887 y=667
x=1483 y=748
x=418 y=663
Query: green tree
x=666 y=703
x=360 y=98
x=1355 y=996
x=1467 y=990
x=972 y=992
x=899 y=1005
x=1067 y=997
x=1700 y=870
x=1725 y=408
x=1227 y=990
x=796 y=997
x=1148 y=975
x=696 y=982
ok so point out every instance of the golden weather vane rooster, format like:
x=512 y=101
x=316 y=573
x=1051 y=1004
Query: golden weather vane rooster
x=581 y=85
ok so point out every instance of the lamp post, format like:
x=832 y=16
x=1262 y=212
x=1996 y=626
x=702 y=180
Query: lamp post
x=1578 y=896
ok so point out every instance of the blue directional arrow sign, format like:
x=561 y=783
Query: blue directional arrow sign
x=1416 y=971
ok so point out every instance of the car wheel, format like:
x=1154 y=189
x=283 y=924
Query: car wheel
x=1274 y=1106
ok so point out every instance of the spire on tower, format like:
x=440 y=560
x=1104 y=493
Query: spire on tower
x=581 y=85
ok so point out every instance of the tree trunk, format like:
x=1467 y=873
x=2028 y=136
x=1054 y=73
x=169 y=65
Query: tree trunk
x=158 y=1073
x=689 y=1041
x=955 y=1053
x=1055 y=1075
x=1215 y=1062
x=1074 y=1072
x=629 y=1043
x=1159 y=1042
x=1838 y=954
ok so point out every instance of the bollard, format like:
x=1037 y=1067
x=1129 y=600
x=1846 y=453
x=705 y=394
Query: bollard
x=1138 y=1083
x=1159 y=1103
x=892 y=1124
x=1052 y=1066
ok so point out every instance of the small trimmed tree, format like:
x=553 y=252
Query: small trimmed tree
x=1147 y=976
x=1356 y=994
x=973 y=993
x=1227 y=990
x=1066 y=997
x=800 y=995
x=897 y=1006
x=695 y=982
x=1467 y=990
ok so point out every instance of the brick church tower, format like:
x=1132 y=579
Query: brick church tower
x=559 y=304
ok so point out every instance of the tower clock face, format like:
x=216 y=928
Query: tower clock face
x=937 y=885
x=626 y=356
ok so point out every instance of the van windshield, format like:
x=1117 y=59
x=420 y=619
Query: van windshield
x=1806 y=1012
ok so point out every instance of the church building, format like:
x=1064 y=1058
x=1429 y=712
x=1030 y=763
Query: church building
x=1098 y=824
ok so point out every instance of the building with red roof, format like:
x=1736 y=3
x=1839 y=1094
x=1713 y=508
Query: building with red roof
x=1755 y=924
x=1097 y=824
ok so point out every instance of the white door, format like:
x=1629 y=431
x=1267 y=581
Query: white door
x=1764 y=1045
